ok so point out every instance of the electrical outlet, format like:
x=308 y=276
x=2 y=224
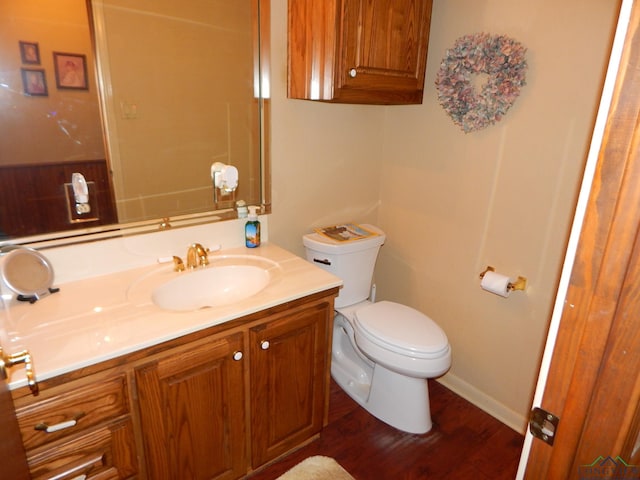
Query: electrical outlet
x=82 y=212
x=129 y=110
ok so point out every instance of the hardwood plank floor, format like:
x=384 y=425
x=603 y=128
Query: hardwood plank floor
x=465 y=443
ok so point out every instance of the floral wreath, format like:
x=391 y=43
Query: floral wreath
x=501 y=58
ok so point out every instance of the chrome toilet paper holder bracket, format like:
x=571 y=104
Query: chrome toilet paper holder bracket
x=519 y=284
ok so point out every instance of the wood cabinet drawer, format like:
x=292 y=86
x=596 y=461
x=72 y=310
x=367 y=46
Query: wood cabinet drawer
x=106 y=452
x=71 y=410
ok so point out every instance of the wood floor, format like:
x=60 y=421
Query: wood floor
x=465 y=443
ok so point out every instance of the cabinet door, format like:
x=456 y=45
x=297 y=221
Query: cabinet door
x=191 y=403
x=358 y=51
x=383 y=50
x=288 y=380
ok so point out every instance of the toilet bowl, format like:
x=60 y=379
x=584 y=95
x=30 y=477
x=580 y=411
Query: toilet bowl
x=402 y=339
x=382 y=353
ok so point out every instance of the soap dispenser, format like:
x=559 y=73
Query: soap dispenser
x=252 y=229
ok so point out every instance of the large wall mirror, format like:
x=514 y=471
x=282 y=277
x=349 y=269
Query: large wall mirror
x=112 y=113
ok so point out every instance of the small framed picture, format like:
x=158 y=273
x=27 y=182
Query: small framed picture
x=34 y=82
x=71 y=70
x=30 y=53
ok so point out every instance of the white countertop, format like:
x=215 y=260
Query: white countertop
x=95 y=319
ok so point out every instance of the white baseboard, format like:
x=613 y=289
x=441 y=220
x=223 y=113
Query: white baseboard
x=481 y=400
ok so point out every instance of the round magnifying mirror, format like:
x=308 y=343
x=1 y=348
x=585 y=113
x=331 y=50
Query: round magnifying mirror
x=27 y=272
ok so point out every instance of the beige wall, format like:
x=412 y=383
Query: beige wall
x=453 y=203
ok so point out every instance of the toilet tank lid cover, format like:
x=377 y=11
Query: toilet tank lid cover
x=401 y=326
x=322 y=243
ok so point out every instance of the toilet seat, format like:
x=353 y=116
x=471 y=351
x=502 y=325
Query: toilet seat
x=402 y=330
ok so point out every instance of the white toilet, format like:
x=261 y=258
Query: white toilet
x=383 y=352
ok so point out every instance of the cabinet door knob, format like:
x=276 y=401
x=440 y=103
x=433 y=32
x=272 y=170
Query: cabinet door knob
x=237 y=355
x=264 y=344
x=353 y=72
x=8 y=361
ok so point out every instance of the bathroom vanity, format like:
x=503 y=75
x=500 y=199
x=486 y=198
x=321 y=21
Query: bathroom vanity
x=129 y=390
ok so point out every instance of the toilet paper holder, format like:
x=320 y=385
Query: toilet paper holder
x=519 y=284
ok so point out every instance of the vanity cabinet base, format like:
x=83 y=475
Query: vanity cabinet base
x=215 y=404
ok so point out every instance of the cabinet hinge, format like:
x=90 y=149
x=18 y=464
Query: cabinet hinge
x=543 y=425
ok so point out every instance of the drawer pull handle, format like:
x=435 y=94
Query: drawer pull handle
x=59 y=426
x=80 y=469
x=264 y=344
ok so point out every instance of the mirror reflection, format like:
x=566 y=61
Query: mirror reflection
x=141 y=98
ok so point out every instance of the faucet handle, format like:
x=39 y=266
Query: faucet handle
x=178 y=265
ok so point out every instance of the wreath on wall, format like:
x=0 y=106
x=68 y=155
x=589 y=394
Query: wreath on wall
x=499 y=60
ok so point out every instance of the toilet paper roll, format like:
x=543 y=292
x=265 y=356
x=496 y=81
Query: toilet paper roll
x=496 y=283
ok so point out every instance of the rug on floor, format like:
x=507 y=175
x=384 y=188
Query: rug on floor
x=317 y=468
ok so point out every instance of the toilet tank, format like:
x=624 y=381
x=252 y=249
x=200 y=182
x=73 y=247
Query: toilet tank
x=352 y=261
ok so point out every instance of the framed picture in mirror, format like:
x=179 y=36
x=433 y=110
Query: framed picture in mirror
x=71 y=70
x=34 y=82
x=29 y=53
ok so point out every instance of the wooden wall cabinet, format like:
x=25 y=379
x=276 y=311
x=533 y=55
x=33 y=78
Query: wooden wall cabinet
x=213 y=405
x=357 y=51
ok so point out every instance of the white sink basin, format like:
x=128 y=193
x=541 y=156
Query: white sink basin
x=226 y=280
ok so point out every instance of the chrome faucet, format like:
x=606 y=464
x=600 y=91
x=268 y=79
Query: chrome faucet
x=197 y=256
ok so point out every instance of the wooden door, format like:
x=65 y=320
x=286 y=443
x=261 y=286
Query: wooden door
x=357 y=51
x=12 y=454
x=593 y=384
x=289 y=365
x=192 y=406
x=383 y=50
